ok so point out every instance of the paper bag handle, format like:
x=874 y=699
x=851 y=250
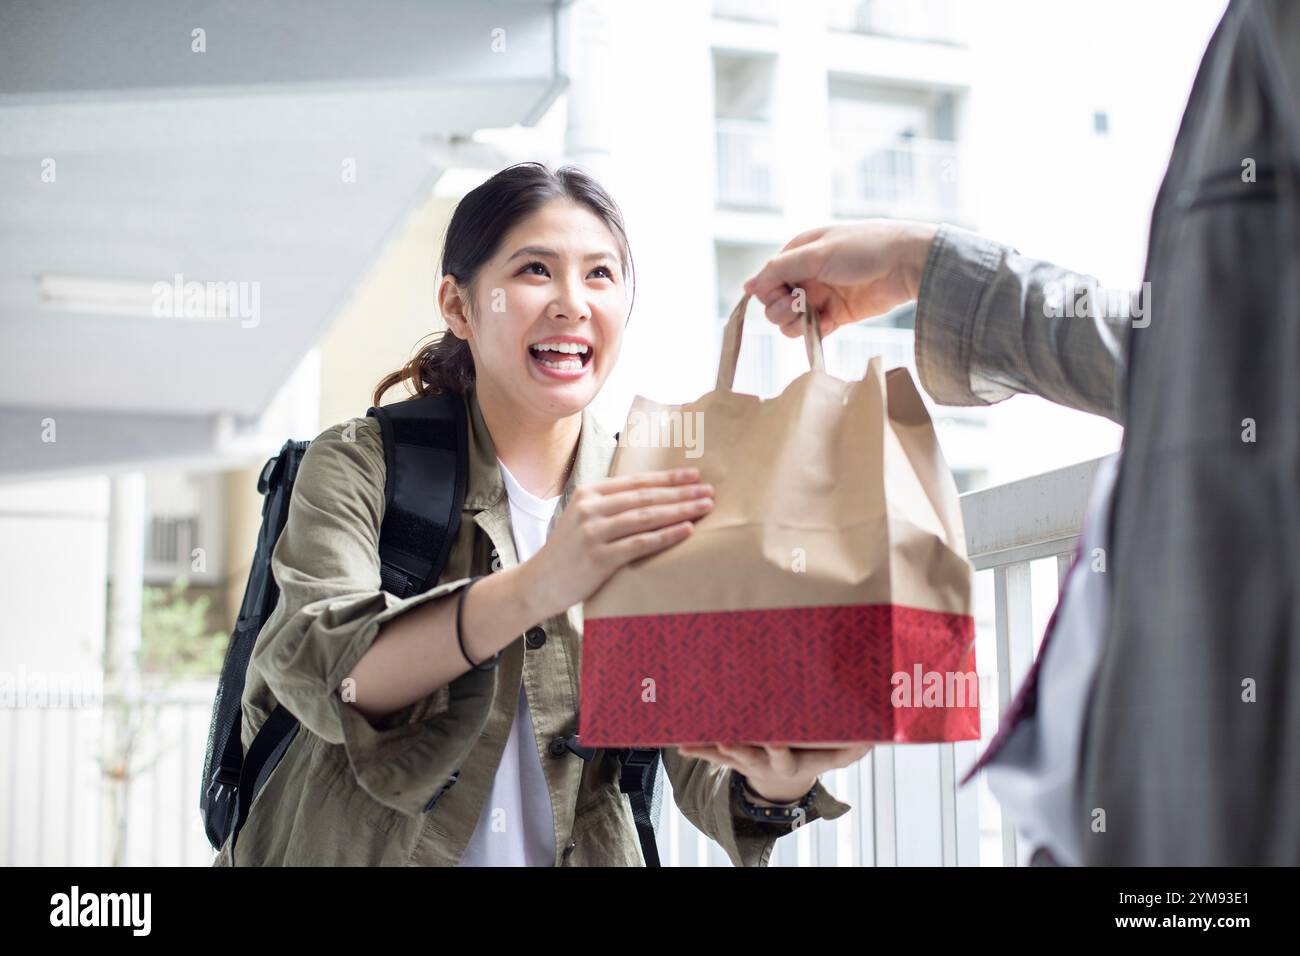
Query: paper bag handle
x=812 y=340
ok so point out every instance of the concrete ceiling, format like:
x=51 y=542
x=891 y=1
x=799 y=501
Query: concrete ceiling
x=225 y=166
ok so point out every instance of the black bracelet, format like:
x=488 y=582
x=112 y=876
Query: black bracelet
x=782 y=814
x=495 y=659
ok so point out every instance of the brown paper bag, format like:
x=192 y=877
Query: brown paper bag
x=827 y=596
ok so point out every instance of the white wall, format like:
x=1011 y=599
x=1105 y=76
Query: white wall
x=1046 y=184
x=53 y=566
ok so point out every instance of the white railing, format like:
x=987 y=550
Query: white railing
x=907 y=807
x=934 y=21
x=59 y=792
x=1009 y=529
x=902 y=178
x=746 y=164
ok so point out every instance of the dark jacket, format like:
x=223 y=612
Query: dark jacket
x=1193 y=739
x=1192 y=727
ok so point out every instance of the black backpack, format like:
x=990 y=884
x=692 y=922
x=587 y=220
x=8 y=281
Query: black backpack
x=426 y=455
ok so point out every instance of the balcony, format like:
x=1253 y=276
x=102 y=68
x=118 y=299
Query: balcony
x=746 y=165
x=906 y=178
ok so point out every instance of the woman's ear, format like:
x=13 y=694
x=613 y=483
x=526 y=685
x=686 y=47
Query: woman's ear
x=453 y=303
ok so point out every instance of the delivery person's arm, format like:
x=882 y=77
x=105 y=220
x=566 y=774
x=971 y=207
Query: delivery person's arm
x=989 y=322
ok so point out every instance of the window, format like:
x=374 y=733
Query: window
x=746 y=146
x=894 y=151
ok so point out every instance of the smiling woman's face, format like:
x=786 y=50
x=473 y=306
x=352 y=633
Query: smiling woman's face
x=557 y=279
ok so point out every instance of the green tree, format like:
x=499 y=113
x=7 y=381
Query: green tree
x=175 y=642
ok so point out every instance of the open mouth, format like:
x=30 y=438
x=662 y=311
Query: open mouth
x=562 y=359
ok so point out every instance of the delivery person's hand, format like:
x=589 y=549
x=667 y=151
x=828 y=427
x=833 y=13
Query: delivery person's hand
x=847 y=272
x=778 y=774
x=609 y=523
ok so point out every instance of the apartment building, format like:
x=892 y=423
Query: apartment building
x=838 y=111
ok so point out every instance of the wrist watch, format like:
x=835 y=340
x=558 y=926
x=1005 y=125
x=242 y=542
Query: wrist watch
x=778 y=814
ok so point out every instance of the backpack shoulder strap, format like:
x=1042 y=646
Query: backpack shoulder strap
x=426 y=454
x=639 y=778
x=426 y=451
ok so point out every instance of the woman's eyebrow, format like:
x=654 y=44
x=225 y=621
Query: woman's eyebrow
x=545 y=253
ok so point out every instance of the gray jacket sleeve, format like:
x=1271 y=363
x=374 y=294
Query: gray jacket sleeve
x=991 y=323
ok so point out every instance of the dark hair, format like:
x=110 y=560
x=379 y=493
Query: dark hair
x=477 y=228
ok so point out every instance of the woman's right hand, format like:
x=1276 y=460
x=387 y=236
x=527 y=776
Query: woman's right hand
x=609 y=523
x=848 y=272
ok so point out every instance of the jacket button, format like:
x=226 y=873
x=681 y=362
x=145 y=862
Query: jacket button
x=535 y=637
x=569 y=849
x=557 y=747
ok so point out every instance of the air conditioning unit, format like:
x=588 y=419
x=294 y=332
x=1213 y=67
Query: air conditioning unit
x=184 y=537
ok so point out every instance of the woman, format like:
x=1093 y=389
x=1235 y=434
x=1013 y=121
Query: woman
x=397 y=699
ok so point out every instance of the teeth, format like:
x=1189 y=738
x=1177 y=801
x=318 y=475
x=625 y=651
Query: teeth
x=572 y=348
x=566 y=364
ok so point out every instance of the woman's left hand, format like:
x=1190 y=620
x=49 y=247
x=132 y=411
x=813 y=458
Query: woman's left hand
x=775 y=773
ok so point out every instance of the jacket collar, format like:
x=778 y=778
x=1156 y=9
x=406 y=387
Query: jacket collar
x=486 y=489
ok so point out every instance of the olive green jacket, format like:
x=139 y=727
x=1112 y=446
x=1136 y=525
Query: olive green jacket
x=353 y=791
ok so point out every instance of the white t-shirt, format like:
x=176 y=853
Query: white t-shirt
x=519 y=802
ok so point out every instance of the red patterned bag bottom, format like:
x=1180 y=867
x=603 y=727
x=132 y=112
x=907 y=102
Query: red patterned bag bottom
x=805 y=675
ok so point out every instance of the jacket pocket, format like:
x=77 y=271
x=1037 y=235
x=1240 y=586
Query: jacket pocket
x=1228 y=186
